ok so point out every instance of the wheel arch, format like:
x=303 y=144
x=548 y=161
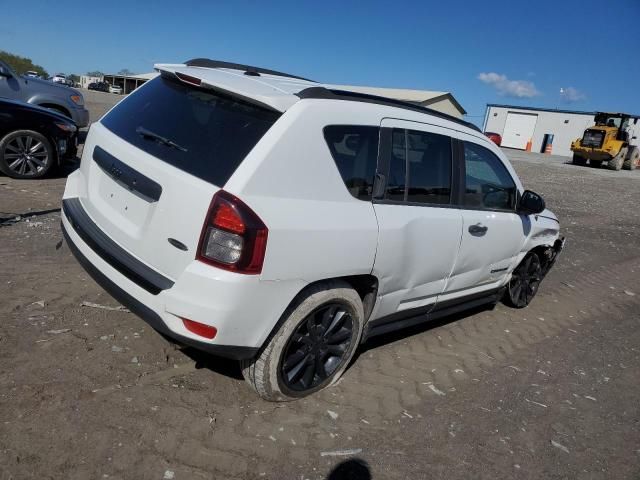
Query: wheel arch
x=365 y=285
x=57 y=107
x=546 y=253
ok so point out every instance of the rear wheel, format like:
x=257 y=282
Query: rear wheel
x=312 y=348
x=26 y=154
x=633 y=159
x=524 y=282
x=616 y=162
x=578 y=160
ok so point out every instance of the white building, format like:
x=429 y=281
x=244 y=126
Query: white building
x=520 y=126
x=85 y=80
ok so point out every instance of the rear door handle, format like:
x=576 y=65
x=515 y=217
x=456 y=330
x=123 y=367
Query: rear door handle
x=478 y=230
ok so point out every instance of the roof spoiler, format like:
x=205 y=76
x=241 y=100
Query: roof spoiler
x=248 y=69
x=330 y=94
x=169 y=71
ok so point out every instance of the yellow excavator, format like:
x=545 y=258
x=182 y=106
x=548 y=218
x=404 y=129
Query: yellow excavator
x=613 y=139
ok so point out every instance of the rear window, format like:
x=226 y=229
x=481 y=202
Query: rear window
x=210 y=133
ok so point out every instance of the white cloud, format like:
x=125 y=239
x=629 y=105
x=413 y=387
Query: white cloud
x=509 y=88
x=570 y=95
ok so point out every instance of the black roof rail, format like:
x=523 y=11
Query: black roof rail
x=248 y=69
x=330 y=94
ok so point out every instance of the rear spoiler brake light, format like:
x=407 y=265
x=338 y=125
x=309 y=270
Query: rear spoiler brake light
x=198 y=82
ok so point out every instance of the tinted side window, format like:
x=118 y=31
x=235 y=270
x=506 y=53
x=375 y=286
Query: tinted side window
x=429 y=156
x=488 y=184
x=396 y=180
x=355 y=151
x=214 y=132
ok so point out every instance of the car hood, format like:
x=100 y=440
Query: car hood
x=46 y=84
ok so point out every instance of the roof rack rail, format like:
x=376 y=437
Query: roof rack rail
x=248 y=69
x=330 y=94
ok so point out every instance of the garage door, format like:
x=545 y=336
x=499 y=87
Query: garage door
x=518 y=129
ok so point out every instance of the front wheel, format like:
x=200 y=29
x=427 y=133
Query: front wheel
x=616 y=162
x=26 y=154
x=633 y=159
x=524 y=282
x=312 y=347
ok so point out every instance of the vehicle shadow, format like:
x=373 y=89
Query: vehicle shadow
x=352 y=469
x=392 y=337
x=231 y=368
x=223 y=366
x=66 y=169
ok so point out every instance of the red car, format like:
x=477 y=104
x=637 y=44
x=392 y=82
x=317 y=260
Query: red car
x=494 y=137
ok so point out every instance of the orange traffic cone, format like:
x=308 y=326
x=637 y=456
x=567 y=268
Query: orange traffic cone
x=528 y=149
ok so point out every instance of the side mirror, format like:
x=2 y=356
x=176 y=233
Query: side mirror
x=5 y=72
x=530 y=203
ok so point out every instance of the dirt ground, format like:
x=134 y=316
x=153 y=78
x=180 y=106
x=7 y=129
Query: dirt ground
x=550 y=391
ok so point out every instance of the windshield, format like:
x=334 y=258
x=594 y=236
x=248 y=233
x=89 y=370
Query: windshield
x=198 y=131
x=604 y=120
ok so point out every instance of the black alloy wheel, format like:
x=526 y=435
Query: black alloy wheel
x=525 y=281
x=25 y=154
x=317 y=348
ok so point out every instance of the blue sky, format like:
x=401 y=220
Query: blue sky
x=511 y=52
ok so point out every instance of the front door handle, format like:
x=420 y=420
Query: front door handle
x=478 y=230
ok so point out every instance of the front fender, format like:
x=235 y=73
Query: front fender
x=41 y=99
x=544 y=230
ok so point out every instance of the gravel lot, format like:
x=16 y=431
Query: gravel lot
x=550 y=391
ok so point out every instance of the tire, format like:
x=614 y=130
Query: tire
x=595 y=163
x=578 y=160
x=26 y=154
x=305 y=341
x=524 y=282
x=633 y=159
x=616 y=162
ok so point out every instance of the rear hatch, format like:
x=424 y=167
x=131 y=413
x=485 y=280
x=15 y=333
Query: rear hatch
x=154 y=162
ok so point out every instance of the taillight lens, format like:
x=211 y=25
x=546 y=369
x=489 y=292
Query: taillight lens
x=233 y=237
x=206 y=331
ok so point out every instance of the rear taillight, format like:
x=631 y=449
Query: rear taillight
x=233 y=237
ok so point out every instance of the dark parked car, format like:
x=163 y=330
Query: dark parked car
x=99 y=86
x=33 y=140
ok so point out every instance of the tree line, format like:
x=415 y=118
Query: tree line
x=23 y=64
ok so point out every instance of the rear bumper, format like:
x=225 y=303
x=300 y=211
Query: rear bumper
x=136 y=271
x=149 y=315
x=243 y=308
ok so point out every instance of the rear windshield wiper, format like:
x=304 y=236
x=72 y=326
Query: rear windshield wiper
x=143 y=132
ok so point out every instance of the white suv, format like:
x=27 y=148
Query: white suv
x=266 y=218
